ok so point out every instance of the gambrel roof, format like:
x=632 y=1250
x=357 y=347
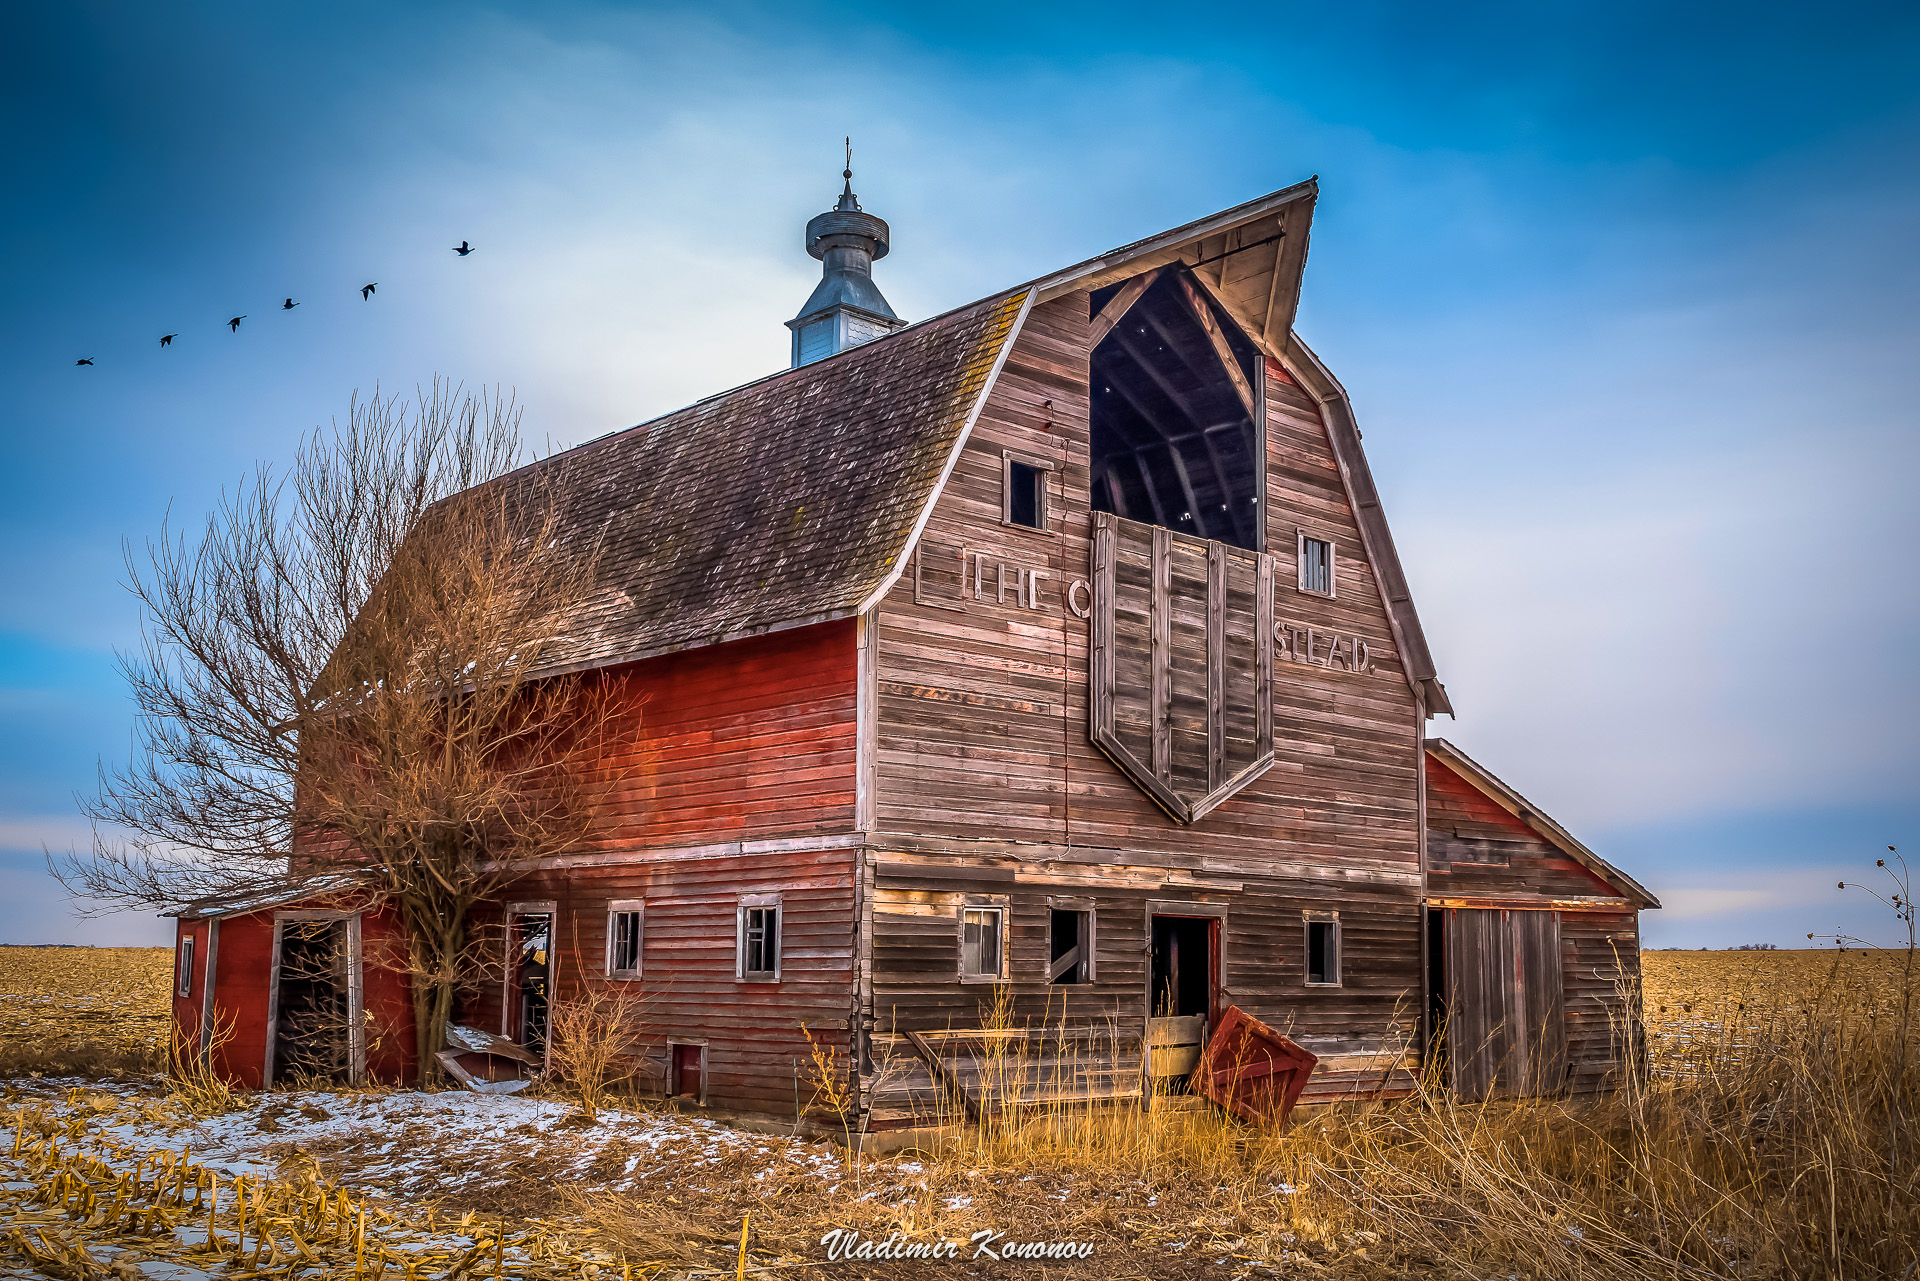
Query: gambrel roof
x=789 y=501
x=798 y=498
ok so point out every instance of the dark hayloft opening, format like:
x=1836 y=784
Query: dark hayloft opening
x=1175 y=399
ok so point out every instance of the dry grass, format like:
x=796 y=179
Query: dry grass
x=80 y=1011
x=1774 y=1136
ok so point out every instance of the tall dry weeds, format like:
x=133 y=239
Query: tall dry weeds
x=594 y=1044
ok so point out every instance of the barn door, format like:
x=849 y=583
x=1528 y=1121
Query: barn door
x=1505 y=1002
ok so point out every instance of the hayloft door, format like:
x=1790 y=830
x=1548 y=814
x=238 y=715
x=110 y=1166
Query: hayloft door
x=1505 y=1012
x=1183 y=984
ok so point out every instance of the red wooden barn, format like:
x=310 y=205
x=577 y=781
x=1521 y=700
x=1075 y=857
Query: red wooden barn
x=1040 y=679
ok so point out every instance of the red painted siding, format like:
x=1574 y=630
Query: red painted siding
x=750 y=739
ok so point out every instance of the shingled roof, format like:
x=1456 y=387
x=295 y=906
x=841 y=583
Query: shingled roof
x=785 y=502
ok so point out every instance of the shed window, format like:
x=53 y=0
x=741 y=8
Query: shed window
x=1316 y=566
x=1026 y=495
x=1071 y=947
x=623 y=938
x=980 y=942
x=759 y=941
x=1323 y=951
x=183 y=981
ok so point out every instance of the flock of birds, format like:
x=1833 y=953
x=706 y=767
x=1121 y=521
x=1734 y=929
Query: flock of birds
x=367 y=292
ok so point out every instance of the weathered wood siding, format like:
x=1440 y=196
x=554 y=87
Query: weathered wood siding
x=986 y=783
x=687 y=990
x=739 y=781
x=1477 y=849
x=1479 y=853
x=747 y=740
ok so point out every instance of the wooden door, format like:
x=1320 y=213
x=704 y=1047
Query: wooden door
x=689 y=1064
x=1183 y=981
x=1505 y=1002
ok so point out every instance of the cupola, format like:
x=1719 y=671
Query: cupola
x=846 y=307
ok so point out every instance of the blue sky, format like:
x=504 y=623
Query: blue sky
x=1624 y=294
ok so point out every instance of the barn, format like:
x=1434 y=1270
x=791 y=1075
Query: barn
x=1031 y=685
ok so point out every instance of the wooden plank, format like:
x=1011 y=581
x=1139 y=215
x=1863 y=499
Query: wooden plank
x=1263 y=648
x=1118 y=305
x=944 y=1074
x=1162 y=655
x=1204 y=313
x=1216 y=665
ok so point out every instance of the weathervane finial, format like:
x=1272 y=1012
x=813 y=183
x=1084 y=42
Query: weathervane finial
x=847 y=199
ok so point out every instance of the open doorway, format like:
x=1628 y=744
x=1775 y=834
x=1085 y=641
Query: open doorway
x=315 y=1000
x=1176 y=404
x=529 y=996
x=1182 y=982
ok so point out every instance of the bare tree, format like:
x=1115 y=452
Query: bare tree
x=346 y=681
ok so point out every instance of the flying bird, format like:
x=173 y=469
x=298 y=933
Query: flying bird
x=464 y=249
x=166 y=340
x=366 y=291
x=84 y=360
x=288 y=305
x=234 y=324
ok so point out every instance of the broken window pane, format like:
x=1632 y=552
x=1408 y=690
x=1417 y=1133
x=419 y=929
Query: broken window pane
x=1026 y=497
x=1072 y=945
x=980 y=942
x=1323 y=952
x=1316 y=565
x=760 y=943
x=623 y=942
x=1175 y=394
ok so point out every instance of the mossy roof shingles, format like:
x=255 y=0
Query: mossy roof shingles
x=784 y=502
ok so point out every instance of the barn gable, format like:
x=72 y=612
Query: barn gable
x=1485 y=838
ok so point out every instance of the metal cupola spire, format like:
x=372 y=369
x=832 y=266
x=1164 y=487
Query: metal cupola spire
x=846 y=308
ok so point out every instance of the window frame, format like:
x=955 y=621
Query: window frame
x=618 y=907
x=1331 y=920
x=758 y=902
x=183 y=964
x=1002 y=908
x=1089 y=951
x=1301 y=538
x=1043 y=496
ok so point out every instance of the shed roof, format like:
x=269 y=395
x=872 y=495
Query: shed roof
x=328 y=890
x=1483 y=780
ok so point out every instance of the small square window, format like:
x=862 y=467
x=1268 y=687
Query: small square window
x=1323 y=952
x=183 y=981
x=1024 y=501
x=759 y=943
x=1071 y=947
x=980 y=942
x=623 y=938
x=1316 y=566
